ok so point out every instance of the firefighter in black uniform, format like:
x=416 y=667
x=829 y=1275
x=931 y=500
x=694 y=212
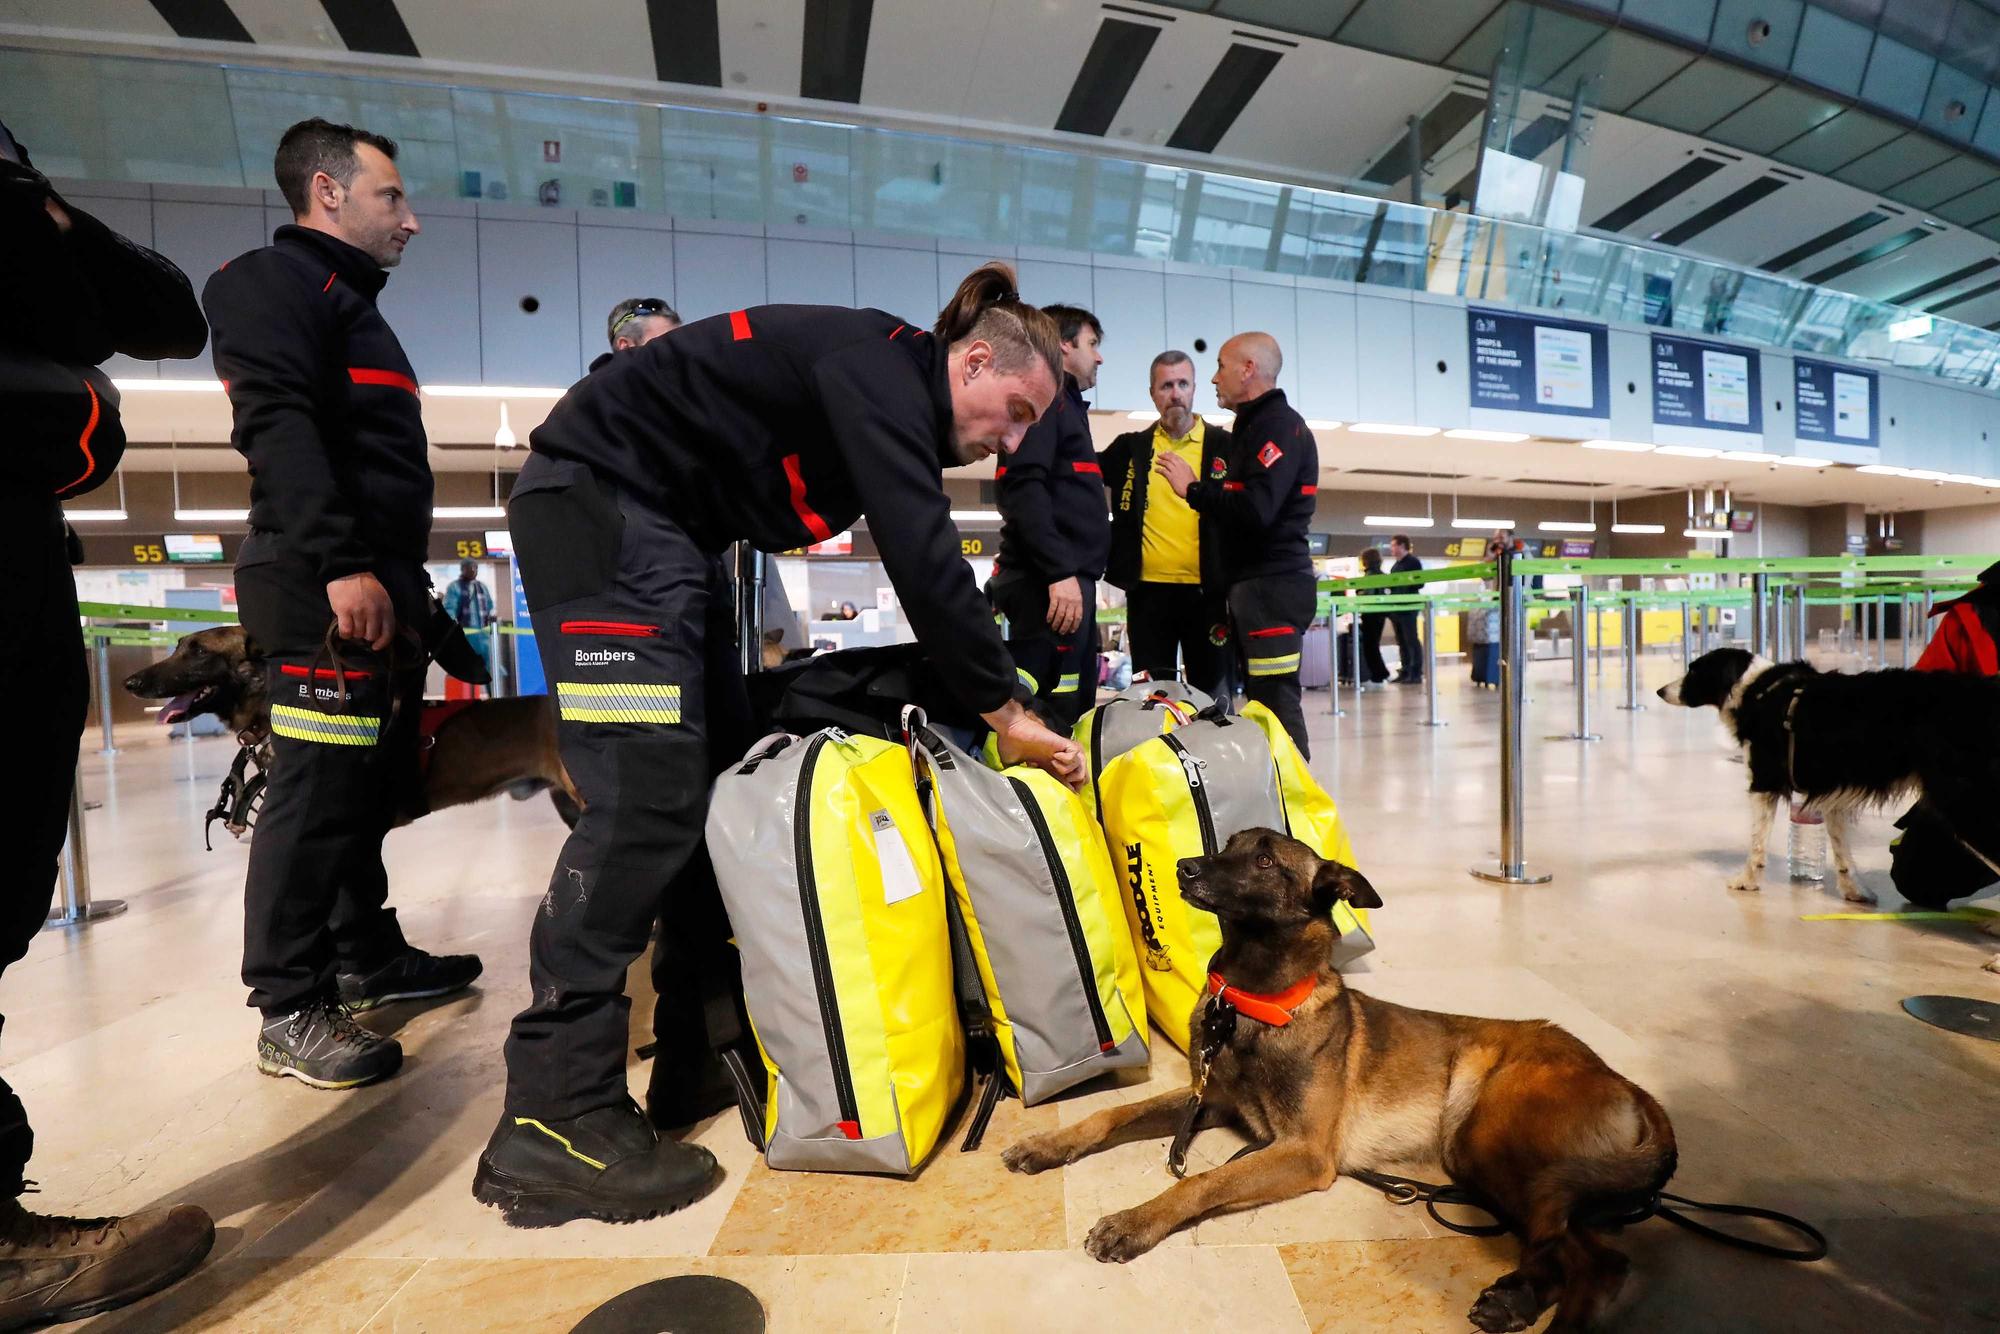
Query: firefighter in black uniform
x=1166 y=557
x=72 y=292
x=1264 y=502
x=1054 y=537
x=777 y=425
x=331 y=586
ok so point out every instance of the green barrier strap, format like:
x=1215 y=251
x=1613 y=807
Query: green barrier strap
x=1753 y=565
x=124 y=611
x=1443 y=573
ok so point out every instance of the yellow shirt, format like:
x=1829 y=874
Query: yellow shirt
x=1170 y=539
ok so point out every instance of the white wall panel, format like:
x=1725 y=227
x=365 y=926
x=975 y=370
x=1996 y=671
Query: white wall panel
x=1631 y=385
x=518 y=260
x=1045 y=282
x=1326 y=354
x=1132 y=306
x=814 y=273
x=1383 y=341
x=902 y=282
x=1443 y=398
x=1198 y=309
x=1272 y=309
x=432 y=301
x=613 y=264
x=715 y=273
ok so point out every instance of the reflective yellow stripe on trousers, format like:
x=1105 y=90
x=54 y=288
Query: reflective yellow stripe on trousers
x=1278 y=666
x=618 y=702
x=333 y=729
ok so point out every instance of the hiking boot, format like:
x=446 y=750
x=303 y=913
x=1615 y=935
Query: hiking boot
x=411 y=975
x=609 y=1164
x=323 y=1046
x=54 y=1269
x=677 y=1098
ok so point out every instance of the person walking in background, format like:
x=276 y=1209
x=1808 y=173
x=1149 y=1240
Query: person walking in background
x=1409 y=647
x=1482 y=631
x=470 y=605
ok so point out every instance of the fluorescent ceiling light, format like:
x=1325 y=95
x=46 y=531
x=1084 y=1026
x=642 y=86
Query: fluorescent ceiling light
x=1623 y=446
x=1321 y=424
x=1914 y=327
x=94 y=516
x=467 y=512
x=1142 y=416
x=1638 y=528
x=211 y=516
x=1505 y=437
x=1688 y=451
x=1923 y=475
x=167 y=386
x=1882 y=470
x=1482 y=523
x=1749 y=456
x=1396 y=521
x=1965 y=479
x=1702 y=532
x=1799 y=461
x=1565 y=526
x=1391 y=428
x=974 y=516
x=491 y=391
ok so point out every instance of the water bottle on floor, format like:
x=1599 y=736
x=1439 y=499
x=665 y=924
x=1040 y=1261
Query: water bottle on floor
x=1805 y=846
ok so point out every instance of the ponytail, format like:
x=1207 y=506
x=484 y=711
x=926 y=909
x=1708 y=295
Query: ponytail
x=988 y=305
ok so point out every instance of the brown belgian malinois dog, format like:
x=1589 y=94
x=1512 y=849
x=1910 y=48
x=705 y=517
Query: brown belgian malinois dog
x=1326 y=1080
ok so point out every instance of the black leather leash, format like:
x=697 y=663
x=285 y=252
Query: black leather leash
x=1619 y=1211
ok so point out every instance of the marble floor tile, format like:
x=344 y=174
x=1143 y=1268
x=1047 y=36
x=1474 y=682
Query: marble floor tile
x=245 y=1296
x=1067 y=1292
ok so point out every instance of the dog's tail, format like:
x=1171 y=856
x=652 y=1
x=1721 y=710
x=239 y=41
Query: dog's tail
x=1633 y=1155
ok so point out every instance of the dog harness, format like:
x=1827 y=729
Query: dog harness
x=1218 y=1025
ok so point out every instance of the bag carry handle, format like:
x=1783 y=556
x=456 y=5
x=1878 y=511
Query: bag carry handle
x=764 y=749
x=1177 y=707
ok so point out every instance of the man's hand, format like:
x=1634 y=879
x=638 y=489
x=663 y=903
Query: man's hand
x=1177 y=472
x=57 y=212
x=1021 y=739
x=362 y=609
x=1065 y=605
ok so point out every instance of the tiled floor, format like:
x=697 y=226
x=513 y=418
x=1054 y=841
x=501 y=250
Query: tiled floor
x=1776 y=1044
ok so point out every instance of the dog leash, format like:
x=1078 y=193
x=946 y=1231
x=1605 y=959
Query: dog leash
x=1614 y=1212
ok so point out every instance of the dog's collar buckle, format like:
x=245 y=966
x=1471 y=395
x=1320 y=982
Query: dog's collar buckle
x=1275 y=1010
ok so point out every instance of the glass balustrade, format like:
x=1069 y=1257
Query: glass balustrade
x=106 y=118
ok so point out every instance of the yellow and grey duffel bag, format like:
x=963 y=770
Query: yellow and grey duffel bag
x=1182 y=794
x=838 y=904
x=1043 y=917
x=1137 y=713
x=1313 y=819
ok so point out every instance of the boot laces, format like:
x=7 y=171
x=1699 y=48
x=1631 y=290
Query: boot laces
x=28 y=1230
x=338 y=1019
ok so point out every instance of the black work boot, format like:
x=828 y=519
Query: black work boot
x=54 y=1269
x=677 y=1097
x=411 y=975
x=609 y=1164
x=321 y=1045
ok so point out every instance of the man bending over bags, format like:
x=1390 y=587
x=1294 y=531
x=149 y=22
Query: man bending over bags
x=776 y=425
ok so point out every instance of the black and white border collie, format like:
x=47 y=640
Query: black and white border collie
x=1850 y=742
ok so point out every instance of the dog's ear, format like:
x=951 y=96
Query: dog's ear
x=1333 y=882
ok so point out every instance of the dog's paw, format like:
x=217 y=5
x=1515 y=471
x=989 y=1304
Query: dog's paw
x=1993 y=964
x=1855 y=892
x=1504 y=1307
x=1743 y=882
x=1119 y=1237
x=1037 y=1153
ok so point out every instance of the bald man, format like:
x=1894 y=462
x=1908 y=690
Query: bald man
x=1263 y=503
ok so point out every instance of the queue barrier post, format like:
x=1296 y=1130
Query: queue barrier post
x=1512 y=867
x=1632 y=626
x=1579 y=610
x=76 y=908
x=1431 y=667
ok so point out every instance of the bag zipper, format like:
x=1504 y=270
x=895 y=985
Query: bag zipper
x=1199 y=790
x=1066 y=896
x=613 y=628
x=822 y=966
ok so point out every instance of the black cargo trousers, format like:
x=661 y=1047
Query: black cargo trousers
x=1269 y=616
x=344 y=735
x=42 y=666
x=1059 y=670
x=635 y=627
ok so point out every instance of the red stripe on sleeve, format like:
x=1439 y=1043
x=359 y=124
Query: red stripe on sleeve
x=814 y=524
x=393 y=379
x=739 y=324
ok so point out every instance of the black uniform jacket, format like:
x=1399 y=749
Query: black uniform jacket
x=783 y=425
x=325 y=401
x=1264 y=504
x=1053 y=522
x=1127 y=463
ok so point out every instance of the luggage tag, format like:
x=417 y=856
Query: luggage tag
x=1218 y=1025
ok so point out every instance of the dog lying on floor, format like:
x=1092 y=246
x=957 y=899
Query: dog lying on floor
x=1327 y=1080
x=1846 y=743
x=475 y=751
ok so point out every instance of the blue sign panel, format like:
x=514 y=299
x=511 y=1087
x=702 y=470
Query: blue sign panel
x=1529 y=363
x=528 y=678
x=1835 y=403
x=1711 y=385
